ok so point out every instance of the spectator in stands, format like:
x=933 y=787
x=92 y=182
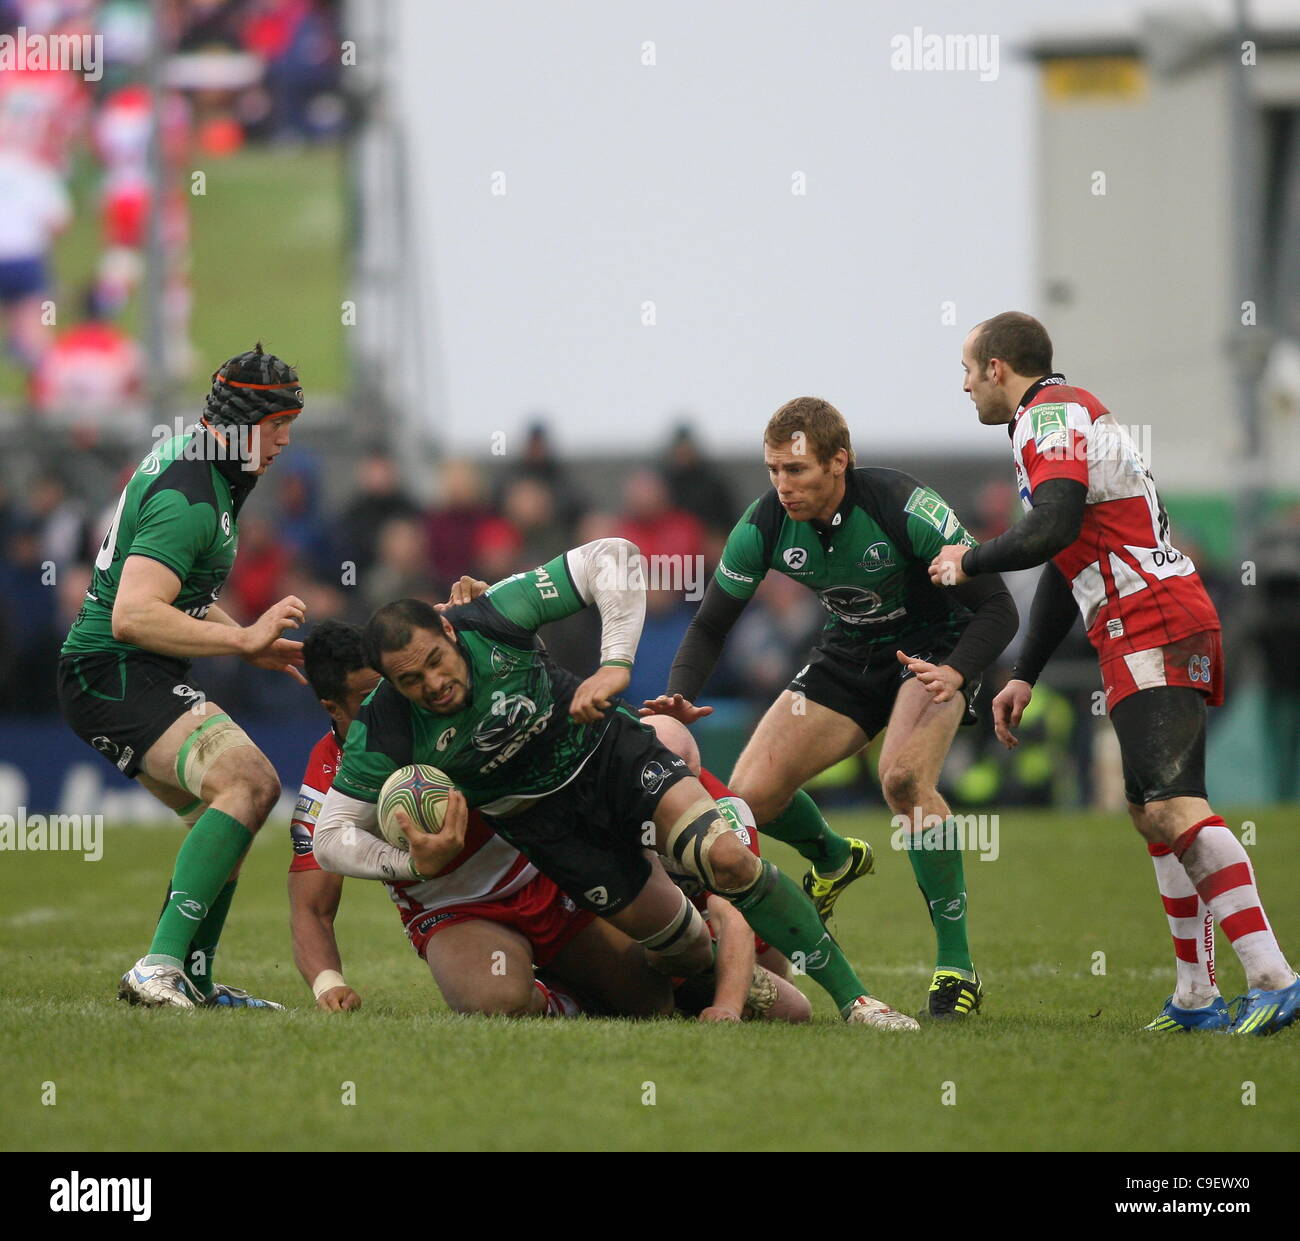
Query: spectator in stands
x=401 y=569
x=64 y=530
x=29 y=600
x=300 y=522
x=299 y=45
x=767 y=647
x=652 y=522
x=697 y=486
x=91 y=378
x=379 y=499
x=540 y=463
x=453 y=526
x=256 y=581
x=35 y=209
x=530 y=506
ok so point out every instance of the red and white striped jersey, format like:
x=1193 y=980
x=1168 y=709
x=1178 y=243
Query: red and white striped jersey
x=487 y=869
x=1135 y=589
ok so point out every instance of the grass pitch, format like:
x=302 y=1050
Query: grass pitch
x=1055 y=1062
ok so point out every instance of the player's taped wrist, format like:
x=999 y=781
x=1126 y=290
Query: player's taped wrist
x=325 y=981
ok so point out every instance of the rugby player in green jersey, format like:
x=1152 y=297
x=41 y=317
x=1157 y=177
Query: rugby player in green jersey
x=562 y=770
x=862 y=539
x=124 y=683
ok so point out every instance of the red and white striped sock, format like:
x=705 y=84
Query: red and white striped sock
x=1192 y=928
x=1217 y=864
x=558 y=1003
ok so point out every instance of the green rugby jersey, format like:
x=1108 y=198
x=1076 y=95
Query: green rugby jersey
x=869 y=565
x=180 y=509
x=514 y=736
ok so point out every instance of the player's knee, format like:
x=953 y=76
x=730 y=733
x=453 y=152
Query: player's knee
x=260 y=787
x=497 y=1002
x=902 y=787
x=1138 y=814
x=733 y=867
x=1160 y=823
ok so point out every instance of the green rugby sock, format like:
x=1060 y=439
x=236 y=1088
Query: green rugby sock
x=801 y=826
x=203 y=866
x=781 y=914
x=203 y=947
x=941 y=876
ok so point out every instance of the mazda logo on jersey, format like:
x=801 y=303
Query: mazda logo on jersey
x=853 y=604
x=510 y=713
x=795 y=557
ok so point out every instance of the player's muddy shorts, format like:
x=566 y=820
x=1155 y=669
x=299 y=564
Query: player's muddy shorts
x=587 y=836
x=838 y=678
x=1195 y=662
x=1161 y=725
x=121 y=703
x=539 y=911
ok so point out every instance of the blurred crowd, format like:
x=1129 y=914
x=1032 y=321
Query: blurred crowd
x=237 y=71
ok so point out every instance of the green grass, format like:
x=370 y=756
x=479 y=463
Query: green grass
x=267 y=247
x=1055 y=1062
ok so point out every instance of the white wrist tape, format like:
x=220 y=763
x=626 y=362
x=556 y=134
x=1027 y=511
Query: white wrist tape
x=327 y=980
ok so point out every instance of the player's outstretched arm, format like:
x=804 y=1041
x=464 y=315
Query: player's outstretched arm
x=144 y=615
x=313 y=903
x=734 y=966
x=1047 y=529
x=701 y=648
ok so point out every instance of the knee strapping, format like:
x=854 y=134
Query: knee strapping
x=189 y=815
x=680 y=935
x=201 y=749
x=692 y=836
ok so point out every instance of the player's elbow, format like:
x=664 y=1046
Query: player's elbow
x=125 y=624
x=618 y=557
x=322 y=847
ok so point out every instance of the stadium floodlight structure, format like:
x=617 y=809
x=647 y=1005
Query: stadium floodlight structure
x=395 y=357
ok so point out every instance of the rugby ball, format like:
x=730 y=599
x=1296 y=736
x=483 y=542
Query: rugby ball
x=420 y=791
